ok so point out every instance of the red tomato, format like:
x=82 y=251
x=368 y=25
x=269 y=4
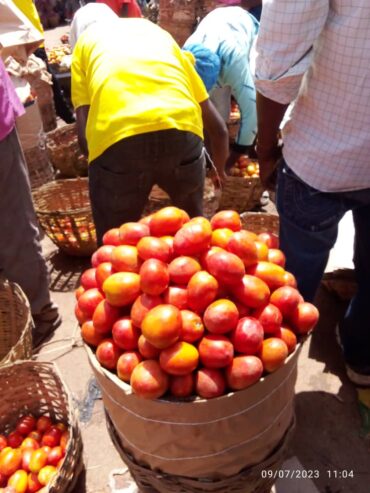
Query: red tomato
x=3 y=442
x=55 y=454
x=33 y=483
x=25 y=425
x=15 y=439
x=43 y=424
x=52 y=437
x=64 y=440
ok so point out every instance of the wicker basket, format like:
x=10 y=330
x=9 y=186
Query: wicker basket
x=260 y=222
x=249 y=480
x=158 y=199
x=240 y=194
x=64 y=151
x=36 y=388
x=40 y=170
x=15 y=323
x=64 y=212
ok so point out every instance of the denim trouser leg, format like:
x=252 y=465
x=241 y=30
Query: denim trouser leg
x=121 y=178
x=355 y=329
x=308 y=229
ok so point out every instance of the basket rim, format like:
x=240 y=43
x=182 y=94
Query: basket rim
x=126 y=388
x=37 y=195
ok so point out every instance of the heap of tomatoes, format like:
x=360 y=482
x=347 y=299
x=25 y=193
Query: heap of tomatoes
x=31 y=454
x=184 y=307
x=245 y=167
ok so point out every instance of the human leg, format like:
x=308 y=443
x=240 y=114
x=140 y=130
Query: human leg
x=120 y=181
x=20 y=251
x=21 y=257
x=308 y=228
x=355 y=328
x=182 y=169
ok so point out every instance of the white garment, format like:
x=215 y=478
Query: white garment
x=88 y=15
x=317 y=52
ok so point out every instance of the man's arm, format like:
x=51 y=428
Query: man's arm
x=82 y=112
x=269 y=115
x=217 y=134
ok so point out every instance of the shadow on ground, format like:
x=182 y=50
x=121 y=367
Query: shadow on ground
x=327 y=436
x=65 y=271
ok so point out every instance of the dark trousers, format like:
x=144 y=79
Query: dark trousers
x=21 y=257
x=308 y=231
x=61 y=106
x=121 y=179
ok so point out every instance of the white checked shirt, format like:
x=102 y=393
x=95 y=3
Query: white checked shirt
x=317 y=52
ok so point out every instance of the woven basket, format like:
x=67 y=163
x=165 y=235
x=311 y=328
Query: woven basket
x=48 y=115
x=158 y=199
x=15 y=323
x=240 y=194
x=40 y=170
x=64 y=151
x=64 y=212
x=36 y=388
x=260 y=222
x=249 y=480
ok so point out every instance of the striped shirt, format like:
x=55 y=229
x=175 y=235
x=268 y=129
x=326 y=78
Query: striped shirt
x=317 y=54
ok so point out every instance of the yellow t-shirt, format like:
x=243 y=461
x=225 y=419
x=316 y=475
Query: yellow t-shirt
x=28 y=8
x=136 y=79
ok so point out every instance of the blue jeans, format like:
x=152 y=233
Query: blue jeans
x=121 y=178
x=308 y=231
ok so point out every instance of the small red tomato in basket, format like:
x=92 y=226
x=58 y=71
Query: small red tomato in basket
x=26 y=424
x=51 y=437
x=43 y=424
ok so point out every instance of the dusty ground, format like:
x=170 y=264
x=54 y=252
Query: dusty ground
x=327 y=437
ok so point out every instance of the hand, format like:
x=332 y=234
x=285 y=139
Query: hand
x=218 y=177
x=268 y=161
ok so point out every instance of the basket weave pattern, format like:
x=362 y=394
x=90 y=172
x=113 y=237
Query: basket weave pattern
x=40 y=170
x=64 y=212
x=240 y=194
x=64 y=151
x=36 y=388
x=15 y=323
x=249 y=480
x=260 y=222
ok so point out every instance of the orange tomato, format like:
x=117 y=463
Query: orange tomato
x=10 y=460
x=39 y=459
x=19 y=481
x=162 y=325
x=46 y=474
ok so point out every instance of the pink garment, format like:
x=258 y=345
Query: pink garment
x=10 y=105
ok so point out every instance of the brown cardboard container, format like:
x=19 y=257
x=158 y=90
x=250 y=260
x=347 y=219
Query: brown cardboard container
x=211 y=439
x=29 y=126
